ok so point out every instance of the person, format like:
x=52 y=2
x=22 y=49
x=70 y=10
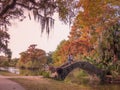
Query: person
x=70 y=58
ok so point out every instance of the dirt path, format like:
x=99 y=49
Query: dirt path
x=6 y=84
x=28 y=77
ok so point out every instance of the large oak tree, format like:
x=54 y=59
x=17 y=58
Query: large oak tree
x=42 y=10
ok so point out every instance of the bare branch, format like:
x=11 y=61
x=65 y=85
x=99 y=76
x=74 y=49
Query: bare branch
x=25 y=6
x=32 y=1
x=8 y=7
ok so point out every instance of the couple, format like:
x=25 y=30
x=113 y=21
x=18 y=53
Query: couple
x=70 y=58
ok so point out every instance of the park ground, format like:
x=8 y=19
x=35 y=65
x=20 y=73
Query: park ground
x=14 y=82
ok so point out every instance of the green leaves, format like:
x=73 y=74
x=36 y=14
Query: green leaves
x=4 y=37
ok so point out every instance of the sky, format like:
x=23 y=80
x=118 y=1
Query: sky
x=27 y=32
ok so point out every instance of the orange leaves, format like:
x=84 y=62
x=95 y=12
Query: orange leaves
x=80 y=39
x=98 y=30
x=32 y=54
x=97 y=13
x=93 y=18
x=90 y=23
x=81 y=45
x=60 y=55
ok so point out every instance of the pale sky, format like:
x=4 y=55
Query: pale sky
x=29 y=32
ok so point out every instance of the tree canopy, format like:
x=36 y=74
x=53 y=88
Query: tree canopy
x=90 y=23
x=92 y=31
x=32 y=57
x=94 y=35
x=42 y=11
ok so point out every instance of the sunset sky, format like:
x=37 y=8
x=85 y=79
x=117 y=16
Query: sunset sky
x=28 y=32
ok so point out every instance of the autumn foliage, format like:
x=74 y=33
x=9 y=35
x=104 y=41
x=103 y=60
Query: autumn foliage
x=90 y=23
x=32 y=57
x=93 y=19
x=60 y=54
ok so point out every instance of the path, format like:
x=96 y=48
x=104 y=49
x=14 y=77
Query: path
x=6 y=84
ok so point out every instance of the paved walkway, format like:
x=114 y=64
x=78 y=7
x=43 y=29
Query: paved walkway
x=6 y=84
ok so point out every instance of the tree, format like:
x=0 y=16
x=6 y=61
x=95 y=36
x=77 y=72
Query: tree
x=8 y=54
x=108 y=49
x=42 y=10
x=49 y=57
x=80 y=41
x=93 y=19
x=95 y=32
x=4 y=39
x=3 y=61
x=32 y=57
x=60 y=54
x=109 y=43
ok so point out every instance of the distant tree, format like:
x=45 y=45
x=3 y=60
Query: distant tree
x=49 y=57
x=3 y=61
x=33 y=57
x=3 y=58
x=8 y=54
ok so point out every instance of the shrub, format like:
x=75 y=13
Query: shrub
x=4 y=63
x=45 y=74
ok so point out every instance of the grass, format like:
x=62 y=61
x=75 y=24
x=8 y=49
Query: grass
x=42 y=83
x=49 y=85
x=5 y=73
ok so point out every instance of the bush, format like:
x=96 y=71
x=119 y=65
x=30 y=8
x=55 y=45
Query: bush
x=13 y=62
x=4 y=63
x=45 y=74
x=20 y=64
x=29 y=64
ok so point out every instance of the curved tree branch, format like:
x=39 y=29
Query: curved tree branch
x=6 y=9
x=25 y=6
x=32 y=1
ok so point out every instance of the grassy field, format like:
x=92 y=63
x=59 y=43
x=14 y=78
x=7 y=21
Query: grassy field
x=43 y=83
x=5 y=73
x=39 y=83
x=47 y=84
